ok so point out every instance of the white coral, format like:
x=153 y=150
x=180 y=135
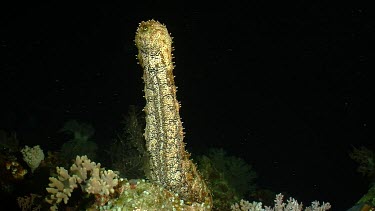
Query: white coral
x=291 y=205
x=247 y=206
x=83 y=171
x=32 y=156
x=102 y=182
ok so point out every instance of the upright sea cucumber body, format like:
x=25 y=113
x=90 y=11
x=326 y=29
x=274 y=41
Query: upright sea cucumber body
x=169 y=162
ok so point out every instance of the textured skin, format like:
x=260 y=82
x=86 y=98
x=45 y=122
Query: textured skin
x=169 y=162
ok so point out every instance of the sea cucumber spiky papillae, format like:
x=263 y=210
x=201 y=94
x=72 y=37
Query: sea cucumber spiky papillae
x=169 y=162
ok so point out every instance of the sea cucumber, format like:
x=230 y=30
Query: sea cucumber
x=169 y=161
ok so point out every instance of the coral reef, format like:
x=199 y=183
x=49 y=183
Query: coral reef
x=169 y=161
x=173 y=180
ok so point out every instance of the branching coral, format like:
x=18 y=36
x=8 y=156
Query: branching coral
x=84 y=173
x=280 y=205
